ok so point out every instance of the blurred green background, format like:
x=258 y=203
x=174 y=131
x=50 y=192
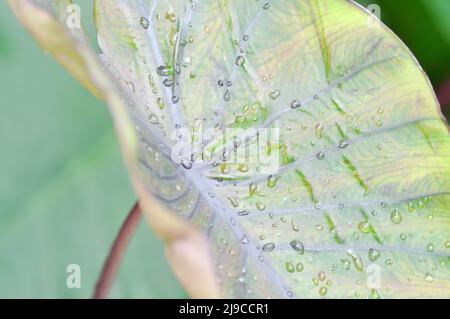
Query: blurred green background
x=64 y=190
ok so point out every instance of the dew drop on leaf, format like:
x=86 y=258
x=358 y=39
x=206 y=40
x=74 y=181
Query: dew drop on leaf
x=153 y=119
x=319 y=130
x=323 y=291
x=322 y=276
x=271 y=181
x=144 y=22
x=345 y=264
x=170 y=16
x=289 y=267
x=243 y=213
x=374 y=254
x=295 y=104
x=396 y=217
x=252 y=189
x=240 y=60
x=260 y=206
x=268 y=247
x=245 y=240
x=320 y=156
x=364 y=227
x=167 y=82
x=299 y=267
x=357 y=261
x=374 y=294
x=226 y=96
x=274 y=94
x=298 y=246
x=163 y=70
x=343 y=144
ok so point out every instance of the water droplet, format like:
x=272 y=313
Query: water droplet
x=289 y=267
x=245 y=37
x=233 y=201
x=357 y=261
x=164 y=70
x=322 y=276
x=295 y=104
x=224 y=168
x=299 y=267
x=345 y=264
x=153 y=119
x=374 y=254
x=260 y=206
x=343 y=144
x=243 y=168
x=298 y=246
x=226 y=96
x=323 y=291
x=243 y=213
x=252 y=189
x=160 y=103
x=319 y=130
x=271 y=181
x=175 y=99
x=374 y=294
x=428 y=277
x=144 y=22
x=364 y=227
x=245 y=240
x=186 y=165
x=396 y=217
x=430 y=248
x=268 y=247
x=266 y=6
x=320 y=156
x=170 y=16
x=167 y=82
x=240 y=60
x=275 y=94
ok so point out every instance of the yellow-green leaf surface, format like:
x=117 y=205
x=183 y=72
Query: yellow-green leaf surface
x=359 y=205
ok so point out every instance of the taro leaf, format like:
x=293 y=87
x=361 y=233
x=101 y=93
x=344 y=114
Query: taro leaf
x=359 y=203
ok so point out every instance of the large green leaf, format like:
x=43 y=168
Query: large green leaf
x=363 y=189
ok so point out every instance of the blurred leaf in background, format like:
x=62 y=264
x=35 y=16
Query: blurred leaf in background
x=64 y=190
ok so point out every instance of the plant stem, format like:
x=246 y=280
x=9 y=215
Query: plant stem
x=116 y=253
x=443 y=94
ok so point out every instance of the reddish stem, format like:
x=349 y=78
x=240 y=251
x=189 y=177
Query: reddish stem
x=116 y=253
x=443 y=94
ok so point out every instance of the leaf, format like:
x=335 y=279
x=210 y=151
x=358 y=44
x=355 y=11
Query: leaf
x=359 y=204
